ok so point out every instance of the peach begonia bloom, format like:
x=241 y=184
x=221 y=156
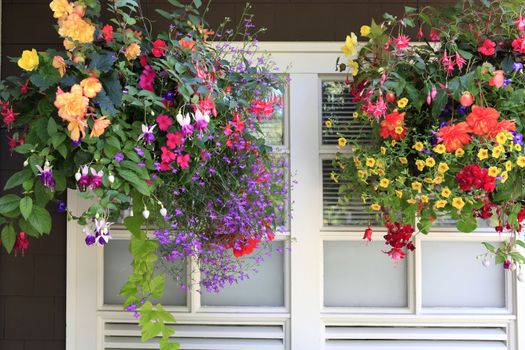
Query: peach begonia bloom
x=71 y=105
x=99 y=126
x=61 y=8
x=498 y=80
x=91 y=86
x=76 y=28
x=60 y=65
x=76 y=127
x=132 y=51
x=454 y=136
x=482 y=120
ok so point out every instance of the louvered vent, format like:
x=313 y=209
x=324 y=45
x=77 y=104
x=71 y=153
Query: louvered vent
x=404 y=338
x=119 y=335
x=353 y=213
x=338 y=108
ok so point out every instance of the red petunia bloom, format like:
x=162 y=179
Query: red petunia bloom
x=164 y=122
x=159 y=48
x=488 y=48
x=390 y=126
x=482 y=120
x=454 y=136
x=107 y=33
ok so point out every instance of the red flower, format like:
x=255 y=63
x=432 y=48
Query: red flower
x=21 y=243
x=147 y=78
x=504 y=125
x=397 y=254
x=107 y=33
x=482 y=120
x=159 y=48
x=434 y=35
x=8 y=114
x=488 y=48
x=246 y=248
x=368 y=234
x=24 y=88
x=392 y=126
x=398 y=237
x=175 y=140
x=164 y=122
x=143 y=60
x=167 y=156
x=183 y=161
x=474 y=176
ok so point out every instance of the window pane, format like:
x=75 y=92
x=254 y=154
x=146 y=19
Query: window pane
x=263 y=288
x=453 y=277
x=337 y=115
x=273 y=127
x=117 y=268
x=357 y=274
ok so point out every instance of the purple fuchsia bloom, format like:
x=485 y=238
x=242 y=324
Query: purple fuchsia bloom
x=147 y=133
x=83 y=180
x=46 y=176
x=185 y=123
x=95 y=179
x=201 y=120
x=98 y=234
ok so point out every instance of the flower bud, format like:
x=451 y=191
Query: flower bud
x=486 y=262
x=111 y=178
x=163 y=212
x=145 y=213
x=26 y=163
x=78 y=175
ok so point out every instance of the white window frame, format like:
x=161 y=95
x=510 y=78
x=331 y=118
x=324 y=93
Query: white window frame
x=304 y=317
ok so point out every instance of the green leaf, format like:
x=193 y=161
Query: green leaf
x=18 y=178
x=113 y=88
x=51 y=127
x=157 y=286
x=138 y=183
x=424 y=225
x=28 y=228
x=197 y=3
x=467 y=224
x=102 y=61
x=57 y=139
x=26 y=207
x=489 y=247
x=150 y=330
x=8 y=203
x=8 y=237
x=165 y=344
x=45 y=107
x=40 y=220
x=24 y=149
x=62 y=149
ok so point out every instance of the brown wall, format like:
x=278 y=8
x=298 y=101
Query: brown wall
x=32 y=288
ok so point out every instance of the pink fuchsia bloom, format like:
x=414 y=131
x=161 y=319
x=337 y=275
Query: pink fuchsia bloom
x=378 y=109
x=397 y=254
x=95 y=179
x=429 y=98
x=183 y=161
x=402 y=42
x=447 y=62
x=420 y=34
x=164 y=122
x=159 y=48
x=488 y=48
x=21 y=243
x=434 y=35
x=518 y=45
x=460 y=61
x=368 y=234
x=498 y=80
x=208 y=106
x=8 y=114
x=520 y=23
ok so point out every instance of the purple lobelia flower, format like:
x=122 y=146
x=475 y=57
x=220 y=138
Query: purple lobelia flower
x=517 y=66
x=518 y=138
x=61 y=207
x=119 y=157
x=46 y=176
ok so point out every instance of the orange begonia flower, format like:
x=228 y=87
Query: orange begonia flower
x=91 y=86
x=60 y=65
x=71 y=105
x=76 y=28
x=390 y=123
x=454 y=136
x=76 y=127
x=482 y=120
x=504 y=125
x=132 y=51
x=99 y=126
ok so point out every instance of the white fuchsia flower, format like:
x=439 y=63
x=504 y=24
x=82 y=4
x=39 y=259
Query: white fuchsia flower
x=147 y=133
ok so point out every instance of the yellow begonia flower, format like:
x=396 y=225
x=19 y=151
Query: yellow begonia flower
x=430 y=162
x=494 y=171
x=420 y=164
x=399 y=194
x=508 y=165
x=441 y=203
x=342 y=142
x=416 y=186
x=501 y=138
x=459 y=152
x=375 y=206
x=446 y=192
x=29 y=60
x=365 y=30
x=370 y=162
x=384 y=183
x=418 y=146
x=458 y=203
x=61 y=8
x=440 y=149
x=521 y=161
x=443 y=167
x=355 y=67
x=483 y=154
x=403 y=160
x=350 y=46
x=402 y=103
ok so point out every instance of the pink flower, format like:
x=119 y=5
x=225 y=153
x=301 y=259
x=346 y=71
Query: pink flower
x=397 y=254
x=460 y=61
x=164 y=122
x=434 y=35
x=488 y=48
x=175 y=139
x=167 y=156
x=402 y=42
x=147 y=78
x=183 y=161
x=379 y=109
x=368 y=234
x=498 y=80
x=520 y=23
x=519 y=45
x=420 y=34
x=447 y=62
x=159 y=47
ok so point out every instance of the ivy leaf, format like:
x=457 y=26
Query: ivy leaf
x=26 y=207
x=467 y=224
x=8 y=203
x=8 y=237
x=40 y=220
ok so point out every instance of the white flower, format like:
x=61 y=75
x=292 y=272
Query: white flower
x=183 y=120
x=200 y=116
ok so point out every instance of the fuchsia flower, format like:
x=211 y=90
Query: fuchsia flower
x=201 y=120
x=402 y=42
x=520 y=23
x=21 y=243
x=488 y=48
x=45 y=175
x=147 y=133
x=185 y=123
x=460 y=61
x=8 y=114
x=434 y=35
x=164 y=122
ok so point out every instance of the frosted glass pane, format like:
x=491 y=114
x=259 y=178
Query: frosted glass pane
x=453 y=277
x=357 y=274
x=264 y=288
x=117 y=268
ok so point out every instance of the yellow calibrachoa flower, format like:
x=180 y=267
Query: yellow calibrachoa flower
x=29 y=60
x=424 y=198
x=355 y=115
x=441 y=203
x=418 y=146
x=443 y=167
x=375 y=207
x=411 y=201
x=420 y=165
x=517 y=147
x=399 y=130
x=497 y=151
x=428 y=180
x=416 y=186
x=458 y=203
x=350 y=46
x=440 y=149
x=370 y=162
x=132 y=51
x=501 y=138
x=384 y=183
x=355 y=67
x=505 y=176
x=430 y=162
x=399 y=194
x=380 y=172
x=365 y=30
x=61 y=8
x=328 y=124
x=403 y=160
x=508 y=165
x=494 y=171
x=521 y=161
x=483 y=154
x=402 y=103
x=342 y=142
x=357 y=162
x=361 y=174
x=383 y=150
x=438 y=180
x=446 y=192
x=459 y=152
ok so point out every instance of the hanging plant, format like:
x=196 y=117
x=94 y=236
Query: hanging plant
x=447 y=118
x=166 y=128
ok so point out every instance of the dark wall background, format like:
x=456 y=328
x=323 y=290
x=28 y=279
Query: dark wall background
x=32 y=287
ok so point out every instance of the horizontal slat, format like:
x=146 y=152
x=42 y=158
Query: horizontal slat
x=196 y=344
x=419 y=345
x=416 y=333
